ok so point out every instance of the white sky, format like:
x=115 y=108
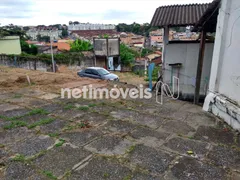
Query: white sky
x=36 y=12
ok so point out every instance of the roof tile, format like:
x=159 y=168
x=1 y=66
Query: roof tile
x=178 y=15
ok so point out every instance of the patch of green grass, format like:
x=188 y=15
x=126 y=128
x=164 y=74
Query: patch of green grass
x=84 y=124
x=68 y=128
x=105 y=175
x=128 y=177
x=49 y=174
x=84 y=108
x=92 y=105
x=190 y=137
x=38 y=111
x=15 y=124
x=2 y=145
x=19 y=158
x=54 y=134
x=17 y=96
x=41 y=122
x=131 y=149
x=60 y=143
x=69 y=106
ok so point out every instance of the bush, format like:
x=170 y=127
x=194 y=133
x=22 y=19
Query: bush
x=154 y=74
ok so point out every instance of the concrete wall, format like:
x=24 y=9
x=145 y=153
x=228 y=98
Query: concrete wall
x=224 y=88
x=30 y=64
x=10 y=45
x=187 y=54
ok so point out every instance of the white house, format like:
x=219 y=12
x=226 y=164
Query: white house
x=223 y=97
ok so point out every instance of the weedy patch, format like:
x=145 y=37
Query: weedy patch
x=131 y=149
x=60 y=143
x=15 y=124
x=92 y=105
x=10 y=118
x=2 y=145
x=49 y=174
x=41 y=122
x=128 y=177
x=54 y=134
x=69 y=106
x=19 y=158
x=106 y=175
x=84 y=108
x=38 y=111
x=17 y=96
x=84 y=124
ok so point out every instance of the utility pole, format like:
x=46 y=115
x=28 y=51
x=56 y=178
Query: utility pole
x=53 y=64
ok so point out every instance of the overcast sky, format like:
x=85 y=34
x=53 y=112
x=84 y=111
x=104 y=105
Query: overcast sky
x=35 y=12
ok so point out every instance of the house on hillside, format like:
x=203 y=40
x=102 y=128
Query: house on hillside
x=107 y=53
x=180 y=58
x=10 y=45
x=47 y=49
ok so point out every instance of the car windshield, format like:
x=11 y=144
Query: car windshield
x=103 y=71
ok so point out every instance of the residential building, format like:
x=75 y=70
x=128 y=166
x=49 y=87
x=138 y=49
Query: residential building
x=90 y=34
x=10 y=45
x=180 y=58
x=132 y=40
x=223 y=97
x=47 y=49
x=89 y=26
x=53 y=33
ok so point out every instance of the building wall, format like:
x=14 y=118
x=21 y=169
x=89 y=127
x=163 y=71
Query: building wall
x=10 y=45
x=187 y=54
x=88 y=26
x=53 y=34
x=224 y=89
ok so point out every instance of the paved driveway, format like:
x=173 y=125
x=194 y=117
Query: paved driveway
x=45 y=137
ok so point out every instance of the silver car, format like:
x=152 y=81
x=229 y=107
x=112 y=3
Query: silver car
x=98 y=73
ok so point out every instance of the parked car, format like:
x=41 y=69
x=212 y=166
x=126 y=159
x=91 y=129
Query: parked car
x=98 y=73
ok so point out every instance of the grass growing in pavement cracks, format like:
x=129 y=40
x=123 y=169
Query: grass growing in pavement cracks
x=17 y=96
x=32 y=112
x=60 y=143
x=84 y=108
x=15 y=124
x=19 y=157
x=49 y=174
x=92 y=105
x=54 y=134
x=41 y=122
x=38 y=111
x=69 y=106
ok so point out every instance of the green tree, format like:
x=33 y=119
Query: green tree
x=29 y=49
x=127 y=55
x=80 y=45
x=146 y=51
x=64 y=33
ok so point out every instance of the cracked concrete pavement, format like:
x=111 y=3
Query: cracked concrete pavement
x=52 y=138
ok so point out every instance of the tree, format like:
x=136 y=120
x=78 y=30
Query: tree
x=80 y=45
x=64 y=33
x=43 y=38
x=12 y=30
x=29 y=49
x=146 y=51
x=127 y=55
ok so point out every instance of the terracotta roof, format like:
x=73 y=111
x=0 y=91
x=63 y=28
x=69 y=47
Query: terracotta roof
x=63 y=46
x=178 y=15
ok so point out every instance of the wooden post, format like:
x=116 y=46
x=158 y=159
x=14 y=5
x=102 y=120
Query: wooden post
x=199 y=67
x=165 y=43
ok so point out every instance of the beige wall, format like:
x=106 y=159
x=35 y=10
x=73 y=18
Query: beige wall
x=10 y=45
